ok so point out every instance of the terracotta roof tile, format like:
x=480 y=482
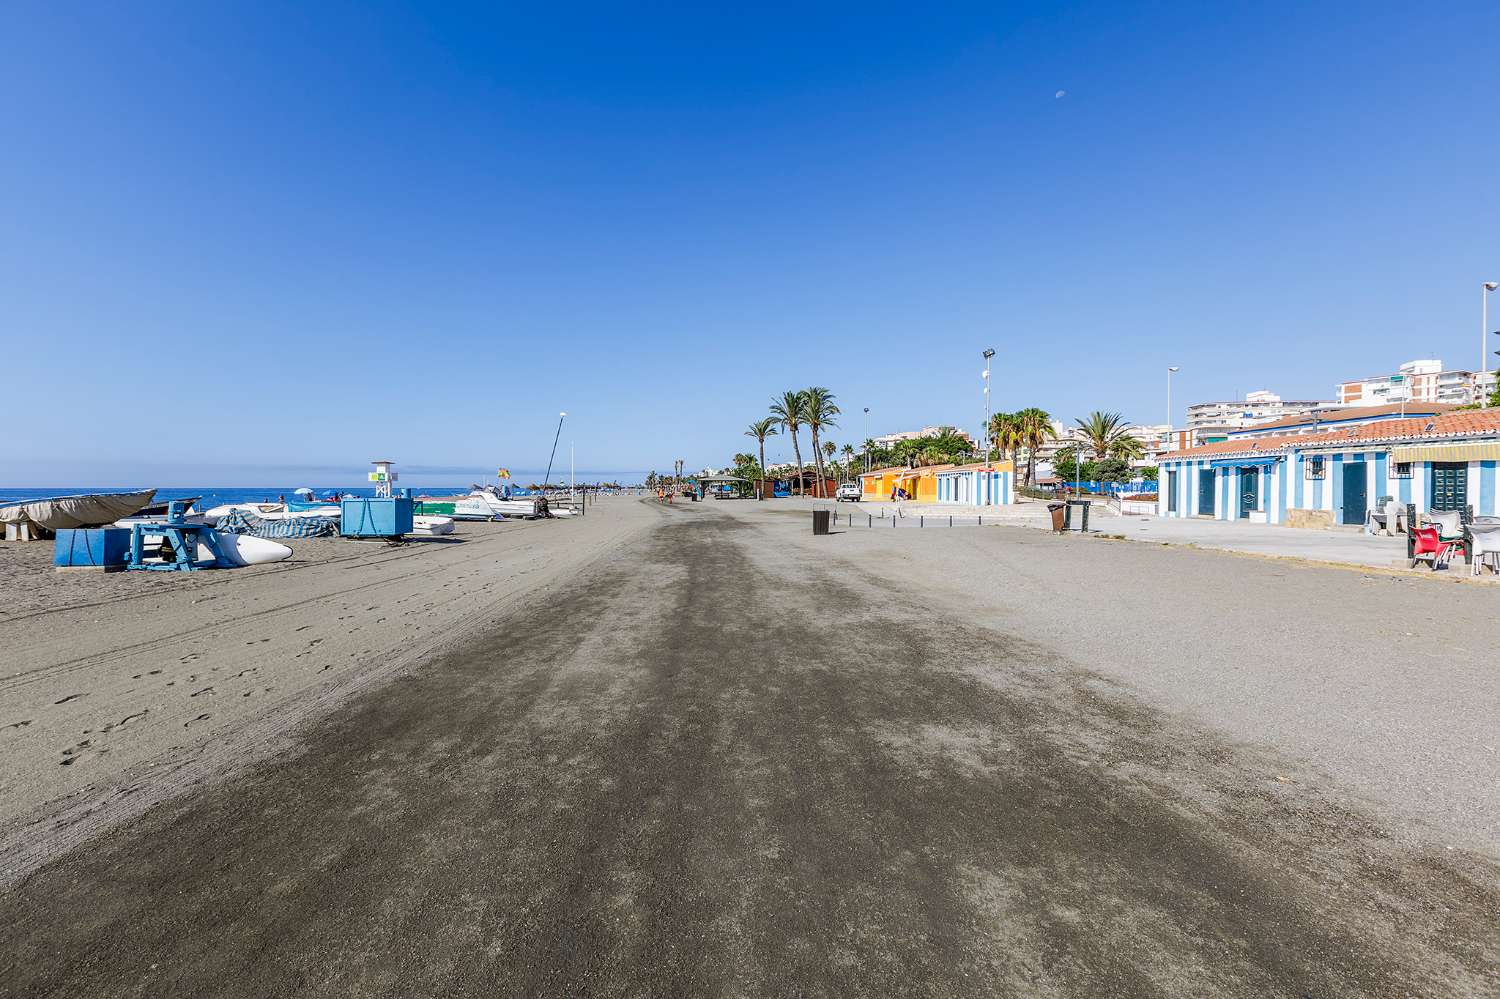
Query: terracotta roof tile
x=1462 y=423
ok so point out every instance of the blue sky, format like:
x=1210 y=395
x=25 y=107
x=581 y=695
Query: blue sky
x=242 y=241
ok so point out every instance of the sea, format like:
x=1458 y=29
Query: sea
x=212 y=496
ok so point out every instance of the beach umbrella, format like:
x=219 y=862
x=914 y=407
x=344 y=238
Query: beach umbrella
x=304 y=491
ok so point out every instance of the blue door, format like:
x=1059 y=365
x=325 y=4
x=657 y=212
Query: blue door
x=1356 y=496
x=1206 y=493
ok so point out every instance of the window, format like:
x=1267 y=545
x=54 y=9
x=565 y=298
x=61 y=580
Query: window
x=1314 y=466
x=1401 y=470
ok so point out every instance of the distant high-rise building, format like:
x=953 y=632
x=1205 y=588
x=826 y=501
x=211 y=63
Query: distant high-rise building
x=1256 y=407
x=1416 y=381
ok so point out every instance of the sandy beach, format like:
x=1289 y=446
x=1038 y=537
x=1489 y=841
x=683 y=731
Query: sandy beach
x=118 y=690
x=695 y=750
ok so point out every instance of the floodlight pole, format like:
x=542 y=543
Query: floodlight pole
x=1485 y=288
x=989 y=352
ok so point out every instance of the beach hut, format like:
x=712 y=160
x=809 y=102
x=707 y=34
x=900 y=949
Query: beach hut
x=877 y=483
x=921 y=484
x=979 y=484
x=1442 y=462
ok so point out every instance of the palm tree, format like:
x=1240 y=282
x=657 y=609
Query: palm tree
x=1005 y=433
x=1127 y=446
x=1101 y=431
x=820 y=413
x=1035 y=430
x=760 y=430
x=790 y=411
x=849 y=460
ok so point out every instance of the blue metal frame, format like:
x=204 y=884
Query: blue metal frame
x=183 y=538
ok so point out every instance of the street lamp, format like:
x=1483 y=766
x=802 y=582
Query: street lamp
x=1170 y=370
x=1484 y=331
x=989 y=352
x=867 y=438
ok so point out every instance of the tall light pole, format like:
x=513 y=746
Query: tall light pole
x=989 y=352
x=1170 y=371
x=1484 y=332
x=867 y=438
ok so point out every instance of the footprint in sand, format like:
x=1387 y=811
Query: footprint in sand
x=125 y=721
x=74 y=753
x=19 y=724
x=205 y=690
x=198 y=719
x=70 y=697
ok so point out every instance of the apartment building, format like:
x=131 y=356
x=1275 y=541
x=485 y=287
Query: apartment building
x=1422 y=381
x=1256 y=407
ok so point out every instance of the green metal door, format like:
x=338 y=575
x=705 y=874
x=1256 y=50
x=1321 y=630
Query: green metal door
x=1249 y=490
x=1450 y=485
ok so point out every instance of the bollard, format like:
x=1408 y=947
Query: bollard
x=950 y=520
x=869 y=520
x=921 y=521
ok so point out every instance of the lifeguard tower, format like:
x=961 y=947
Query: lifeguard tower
x=383 y=516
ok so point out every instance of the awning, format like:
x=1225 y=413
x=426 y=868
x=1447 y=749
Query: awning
x=1473 y=451
x=1243 y=462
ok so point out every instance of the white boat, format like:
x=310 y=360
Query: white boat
x=258 y=509
x=472 y=508
x=524 y=507
x=57 y=513
x=272 y=511
x=431 y=527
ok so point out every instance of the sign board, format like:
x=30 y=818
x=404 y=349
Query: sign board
x=502 y=473
x=1397 y=379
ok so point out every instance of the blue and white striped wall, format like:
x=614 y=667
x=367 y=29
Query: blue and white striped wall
x=976 y=487
x=1287 y=487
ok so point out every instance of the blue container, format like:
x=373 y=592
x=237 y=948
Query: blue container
x=375 y=517
x=91 y=548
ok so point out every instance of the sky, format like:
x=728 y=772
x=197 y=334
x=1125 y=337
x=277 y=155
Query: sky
x=261 y=243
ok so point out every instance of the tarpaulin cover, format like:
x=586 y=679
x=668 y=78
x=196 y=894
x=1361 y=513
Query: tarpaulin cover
x=240 y=522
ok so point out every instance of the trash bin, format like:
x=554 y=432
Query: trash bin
x=820 y=521
x=1077 y=518
x=1059 y=513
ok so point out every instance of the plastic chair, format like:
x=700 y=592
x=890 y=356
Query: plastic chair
x=1429 y=545
x=1484 y=534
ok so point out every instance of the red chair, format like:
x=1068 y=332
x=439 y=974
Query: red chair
x=1428 y=544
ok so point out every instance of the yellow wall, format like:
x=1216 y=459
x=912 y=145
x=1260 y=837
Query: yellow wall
x=920 y=483
x=877 y=484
